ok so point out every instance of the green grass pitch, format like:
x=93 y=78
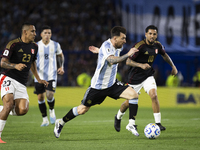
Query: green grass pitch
x=95 y=130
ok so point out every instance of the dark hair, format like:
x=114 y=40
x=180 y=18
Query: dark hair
x=151 y=27
x=115 y=31
x=45 y=27
x=26 y=25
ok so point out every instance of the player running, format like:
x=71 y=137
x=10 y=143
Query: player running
x=141 y=74
x=17 y=59
x=104 y=82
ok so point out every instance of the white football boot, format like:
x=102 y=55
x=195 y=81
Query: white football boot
x=45 y=122
x=132 y=129
x=58 y=127
x=52 y=116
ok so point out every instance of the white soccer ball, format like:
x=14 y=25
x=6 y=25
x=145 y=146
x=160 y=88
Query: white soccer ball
x=152 y=131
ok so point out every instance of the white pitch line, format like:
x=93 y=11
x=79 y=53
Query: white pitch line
x=23 y=122
x=195 y=119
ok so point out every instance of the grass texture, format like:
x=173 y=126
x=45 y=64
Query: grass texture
x=95 y=130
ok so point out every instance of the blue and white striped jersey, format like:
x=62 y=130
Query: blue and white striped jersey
x=46 y=60
x=105 y=74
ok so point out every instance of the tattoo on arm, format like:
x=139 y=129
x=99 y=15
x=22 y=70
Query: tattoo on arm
x=168 y=59
x=113 y=59
x=7 y=65
x=60 y=60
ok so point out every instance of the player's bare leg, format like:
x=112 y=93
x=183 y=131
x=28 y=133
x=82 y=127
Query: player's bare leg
x=124 y=106
x=156 y=108
x=21 y=106
x=8 y=105
x=155 y=102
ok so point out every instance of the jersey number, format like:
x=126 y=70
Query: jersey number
x=46 y=56
x=6 y=84
x=26 y=57
x=151 y=58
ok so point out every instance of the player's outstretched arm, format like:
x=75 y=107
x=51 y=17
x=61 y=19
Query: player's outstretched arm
x=94 y=49
x=132 y=51
x=35 y=73
x=170 y=62
x=113 y=59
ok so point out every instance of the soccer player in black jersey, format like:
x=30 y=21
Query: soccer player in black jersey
x=17 y=59
x=141 y=73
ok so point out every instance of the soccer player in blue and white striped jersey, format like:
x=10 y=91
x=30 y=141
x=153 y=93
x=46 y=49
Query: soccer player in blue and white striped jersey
x=104 y=82
x=48 y=56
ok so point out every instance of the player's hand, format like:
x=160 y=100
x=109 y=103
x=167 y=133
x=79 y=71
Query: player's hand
x=43 y=82
x=94 y=49
x=20 y=66
x=132 y=51
x=145 y=66
x=174 y=71
x=60 y=71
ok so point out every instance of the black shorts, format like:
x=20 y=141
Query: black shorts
x=93 y=96
x=40 y=88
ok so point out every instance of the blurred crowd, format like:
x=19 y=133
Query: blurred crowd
x=76 y=24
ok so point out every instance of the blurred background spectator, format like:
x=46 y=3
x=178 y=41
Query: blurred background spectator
x=83 y=80
x=172 y=81
x=77 y=24
x=196 y=78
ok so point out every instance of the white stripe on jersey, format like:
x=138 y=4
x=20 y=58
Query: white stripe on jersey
x=46 y=60
x=105 y=74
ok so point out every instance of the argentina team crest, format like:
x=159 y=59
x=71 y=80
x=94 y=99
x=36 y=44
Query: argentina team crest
x=32 y=51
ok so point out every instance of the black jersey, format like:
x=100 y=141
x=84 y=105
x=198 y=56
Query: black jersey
x=146 y=54
x=19 y=52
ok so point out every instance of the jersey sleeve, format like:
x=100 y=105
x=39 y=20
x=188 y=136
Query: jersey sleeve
x=59 y=50
x=134 y=56
x=36 y=52
x=161 y=49
x=8 y=51
x=107 y=50
x=139 y=46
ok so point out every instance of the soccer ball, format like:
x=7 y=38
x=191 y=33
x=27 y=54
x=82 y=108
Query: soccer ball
x=152 y=131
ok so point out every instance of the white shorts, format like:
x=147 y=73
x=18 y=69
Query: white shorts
x=147 y=84
x=9 y=85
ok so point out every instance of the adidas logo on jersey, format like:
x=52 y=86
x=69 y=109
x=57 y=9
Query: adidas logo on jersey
x=146 y=53
x=20 y=50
